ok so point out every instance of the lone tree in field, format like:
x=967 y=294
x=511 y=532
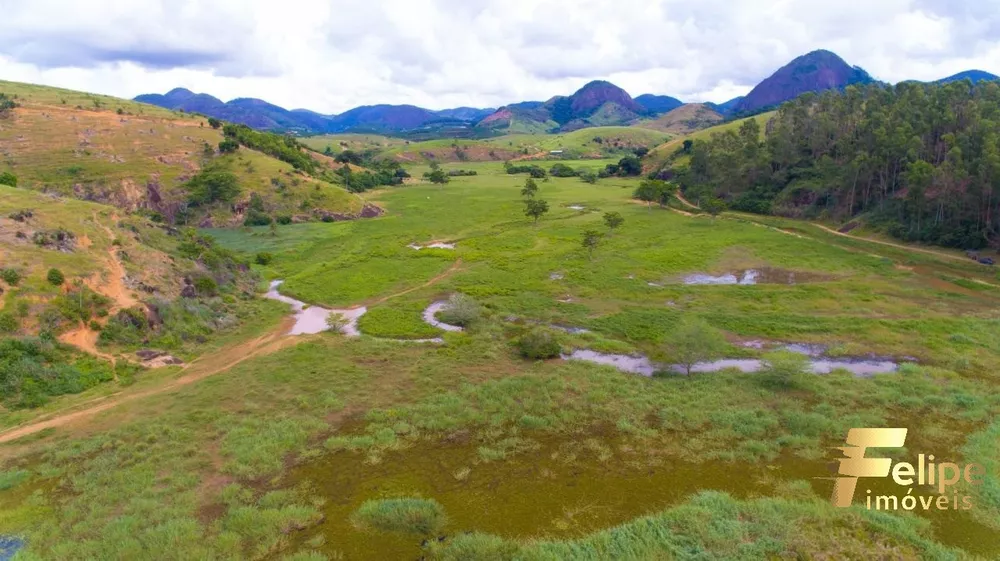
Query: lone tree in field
x=214 y=123
x=591 y=239
x=7 y=105
x=535 y=208
x=651 y=190
x=530 y=189
x=714 y=206
x=613 y=220
x=437 y=176
x=695 y=341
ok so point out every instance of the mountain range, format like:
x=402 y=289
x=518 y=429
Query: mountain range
x=598 y=103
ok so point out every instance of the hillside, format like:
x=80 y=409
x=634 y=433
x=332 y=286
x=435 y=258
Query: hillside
x=684 y=119
x=594 y=142
x=813 y=72
x=103 y=284
x=141 y=157
x=659 y=156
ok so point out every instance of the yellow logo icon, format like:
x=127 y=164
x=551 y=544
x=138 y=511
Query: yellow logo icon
x=856 y=465
x=939 y=476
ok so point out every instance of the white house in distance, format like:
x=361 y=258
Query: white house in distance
x=555 y=152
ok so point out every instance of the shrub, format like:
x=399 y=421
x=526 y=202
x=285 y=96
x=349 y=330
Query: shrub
x=539 y=344
x=562 y=170
x=408 y=515
x=263 y=258
x=228 y=146
x=461 y=310
x=784 y=368
x=256 y=218
x=206 y=286
x=8 y=178
x=211 y=185
x=10 y=276
x=283 y=219
x=8 y=323
x=55 y=277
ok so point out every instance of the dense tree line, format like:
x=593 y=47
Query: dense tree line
x=921 y=161
x=284 y=148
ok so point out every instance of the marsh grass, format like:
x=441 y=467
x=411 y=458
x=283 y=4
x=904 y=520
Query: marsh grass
x=422 y=517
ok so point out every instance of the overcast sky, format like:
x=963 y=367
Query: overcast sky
x=333 y=55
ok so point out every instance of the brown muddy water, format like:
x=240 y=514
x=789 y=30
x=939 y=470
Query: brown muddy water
x=562 y=488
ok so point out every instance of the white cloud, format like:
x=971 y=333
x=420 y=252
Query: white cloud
x=332 y=55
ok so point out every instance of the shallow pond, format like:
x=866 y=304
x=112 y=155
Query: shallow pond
x=314 y=319
x=435 y=245
x=430 y=317
x=637 y=364
x=761 y=275
x=9 y=546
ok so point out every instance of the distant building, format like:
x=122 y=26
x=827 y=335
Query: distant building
x=555 y=151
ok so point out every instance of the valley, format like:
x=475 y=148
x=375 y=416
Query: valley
x=568 y=337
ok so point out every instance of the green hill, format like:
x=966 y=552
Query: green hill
x=141 y=157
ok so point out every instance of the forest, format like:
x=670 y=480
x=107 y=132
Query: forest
x=920 y=161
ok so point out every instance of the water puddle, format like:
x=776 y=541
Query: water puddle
x=430 y=318
x=435 y=245
x=569 y=329
x=625 y=363
x=761 y=275
x=577 y=207
x=9 y=546
x=859 y=367
x=314 y=319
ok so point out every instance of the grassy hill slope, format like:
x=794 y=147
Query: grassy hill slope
x=659 y=156
x=686 y=119
x=136 y=156
x=594 y=142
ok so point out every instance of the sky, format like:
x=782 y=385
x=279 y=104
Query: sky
x=332 y=55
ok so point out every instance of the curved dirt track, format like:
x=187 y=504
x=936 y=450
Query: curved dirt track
x=203 y=367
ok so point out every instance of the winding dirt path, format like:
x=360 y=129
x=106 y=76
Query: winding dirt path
x=201 y=368
x=205 y=366
x=451 y=270
x=896 y=245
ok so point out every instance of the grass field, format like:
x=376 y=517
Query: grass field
x=589 y=143
x=328 y=447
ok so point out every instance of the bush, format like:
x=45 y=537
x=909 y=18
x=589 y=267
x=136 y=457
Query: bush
x=8 y=323
x=409 y=515
x=283 y=219
x=206 y=286
x=784 y=368
x=213 y=185
x=55 y=277
x=256 y=218
x=8 y=178
x=539 y=344
x=10 y=276
x=562 y=170
x=461 y=310
x=263 y=258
